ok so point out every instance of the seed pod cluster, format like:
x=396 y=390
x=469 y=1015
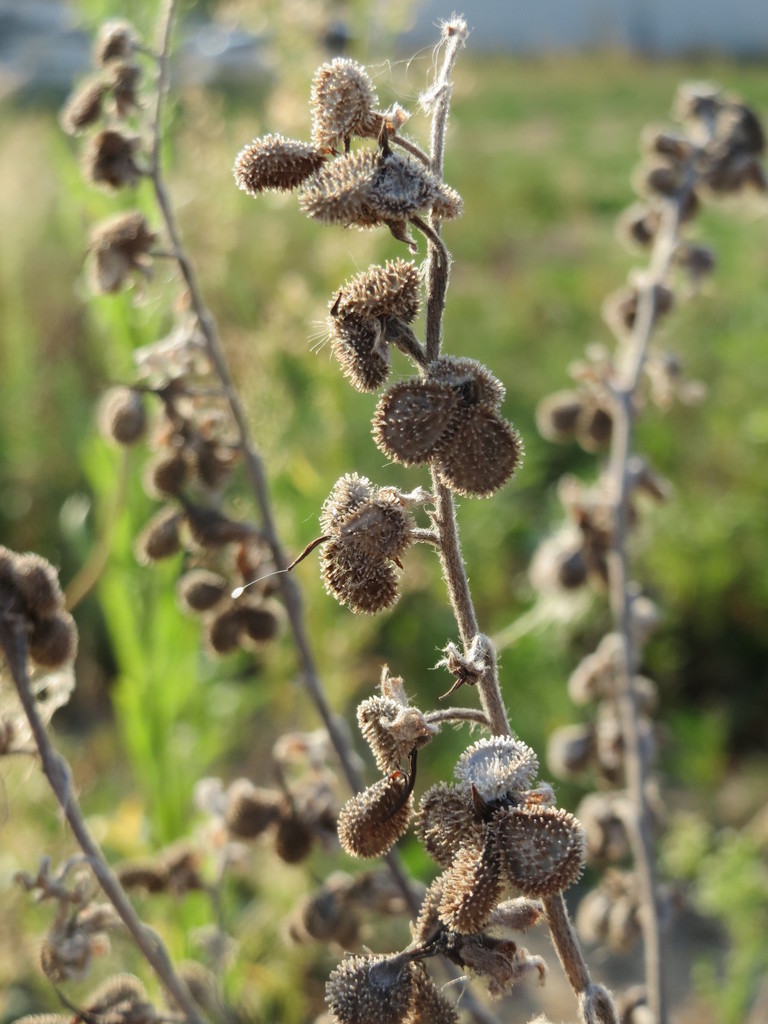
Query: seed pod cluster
x=174 y=870
x=390 y=726
x=29 y=587
x=79 y=933
x=492 y=831
x=450 y=418
x=368 y=529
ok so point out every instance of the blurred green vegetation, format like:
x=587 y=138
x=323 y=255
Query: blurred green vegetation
x=541 y=150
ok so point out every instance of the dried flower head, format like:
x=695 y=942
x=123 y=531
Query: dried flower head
x=343 y=103
x=373 y=989
x=359 y=345
x=110 y=160
x=446 y=822
x=374 y=819
x=122 y=416
x=500 y=963
x=393 y=290
x=497 y=767
x=542 y=849
x=120 y=246
x=391 y=728
x=84 y=106
x=117 y=40
x=274 y=162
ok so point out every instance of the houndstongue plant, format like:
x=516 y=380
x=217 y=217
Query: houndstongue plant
x=506 y=851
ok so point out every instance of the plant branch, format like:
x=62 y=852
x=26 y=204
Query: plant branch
x=56 y=769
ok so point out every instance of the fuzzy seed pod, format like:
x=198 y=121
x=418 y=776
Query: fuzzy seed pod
x=120 y=246
x=379 y=528
x=639 y=224
x=326 y=917
x=500 y=963
x=37 y=582
x=570 y=750
x=557 y=415
x=393 y=290
x=558 y=564
x=53 y=640
x=392 y=730
x=372 y=989
x=166 y=475
x=349 y=493
x=594 y=423
x=483 y=455
x=258 y=623
x=428 y=922
x=251 y=809
x=542 y=849
x=122 y=416
x=373 y=820
x=109 y=160
x=146 y=875
x=123 y=80
x=293 y=839
x=223 y=631
x=517 y=915
x=620 y=307
x=471 y=888
x=343 y=103
x=363 y=584
x=116 y=40
x=358 y=346
x=497 y=767
x=698 y=260
x=160 y=538
x=413 y=420
x=122 y=999
x=337 y=192
x=663 y=179
x=429 y=1004
x=199 y=590
x=84 y=106
x=445 y=823
x=606 y=837
x=273 y=162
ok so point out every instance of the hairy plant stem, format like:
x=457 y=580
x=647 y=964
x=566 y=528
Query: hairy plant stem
x=632 y=361
x=454 y=570
x=13 y=643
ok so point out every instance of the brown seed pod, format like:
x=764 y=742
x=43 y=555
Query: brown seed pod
x=223 y=631
x=119 y=247
x=122 y=999
x=116 y=40
x=147 y=875
x=167 y=474
x=594 y=424
x=123 y=80
x=557 y=414
x=337 y=192
x=373 y=989
x=83 y=108
x=258 y=623
x=373 y=820
x=110 y=160
x=620 y=307
x=542 y=849
x=414 y=419
x=380 y=528
x=357 y=345
x=53 y=640
x=392 y=730
x=122 y=416
x=362 y=583
x=393 y=290
x=37 y=582
x=429 y=1004
x=343 y=103
x=473 y=382
x=251 y=809
x=446 y=822
x=472 y=887
x=483 y=454
x=497 y=767
x=638 y=224
x=349 y=492
x=274 y=162
x=199 y=590
x=570 y=749
x=160 y=538
x=293 y=839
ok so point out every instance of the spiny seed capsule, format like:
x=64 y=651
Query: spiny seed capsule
x=251 y=809
x=116 y=40
x=120 y=246
x=472 y=888
x=343 y=103
x=497 y=766
x=557 y=415
x=542 y=849
x=363 y=584
x=122 y=416
x=53 y=640
x=161 y=537
x=358 y=346
x=84 y=106
x=349 y=492
x=429 y=1003
x=110 y=160
x=392 y=730
x=38 y=583
x=274 y=162
x=370 y=990
x=393 y=290
x=293 y=839
x=373 y=820
x=445 y=823
x=199 y=590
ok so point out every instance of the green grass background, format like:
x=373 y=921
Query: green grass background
x=541 y=150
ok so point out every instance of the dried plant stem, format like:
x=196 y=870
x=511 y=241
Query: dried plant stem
x=14 y=645
x=444 y=517
x=624 y=394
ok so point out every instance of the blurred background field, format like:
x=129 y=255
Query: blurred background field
x=541 y=149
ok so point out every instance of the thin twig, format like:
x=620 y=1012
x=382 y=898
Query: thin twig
x=443 y=716
x=14 y=645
